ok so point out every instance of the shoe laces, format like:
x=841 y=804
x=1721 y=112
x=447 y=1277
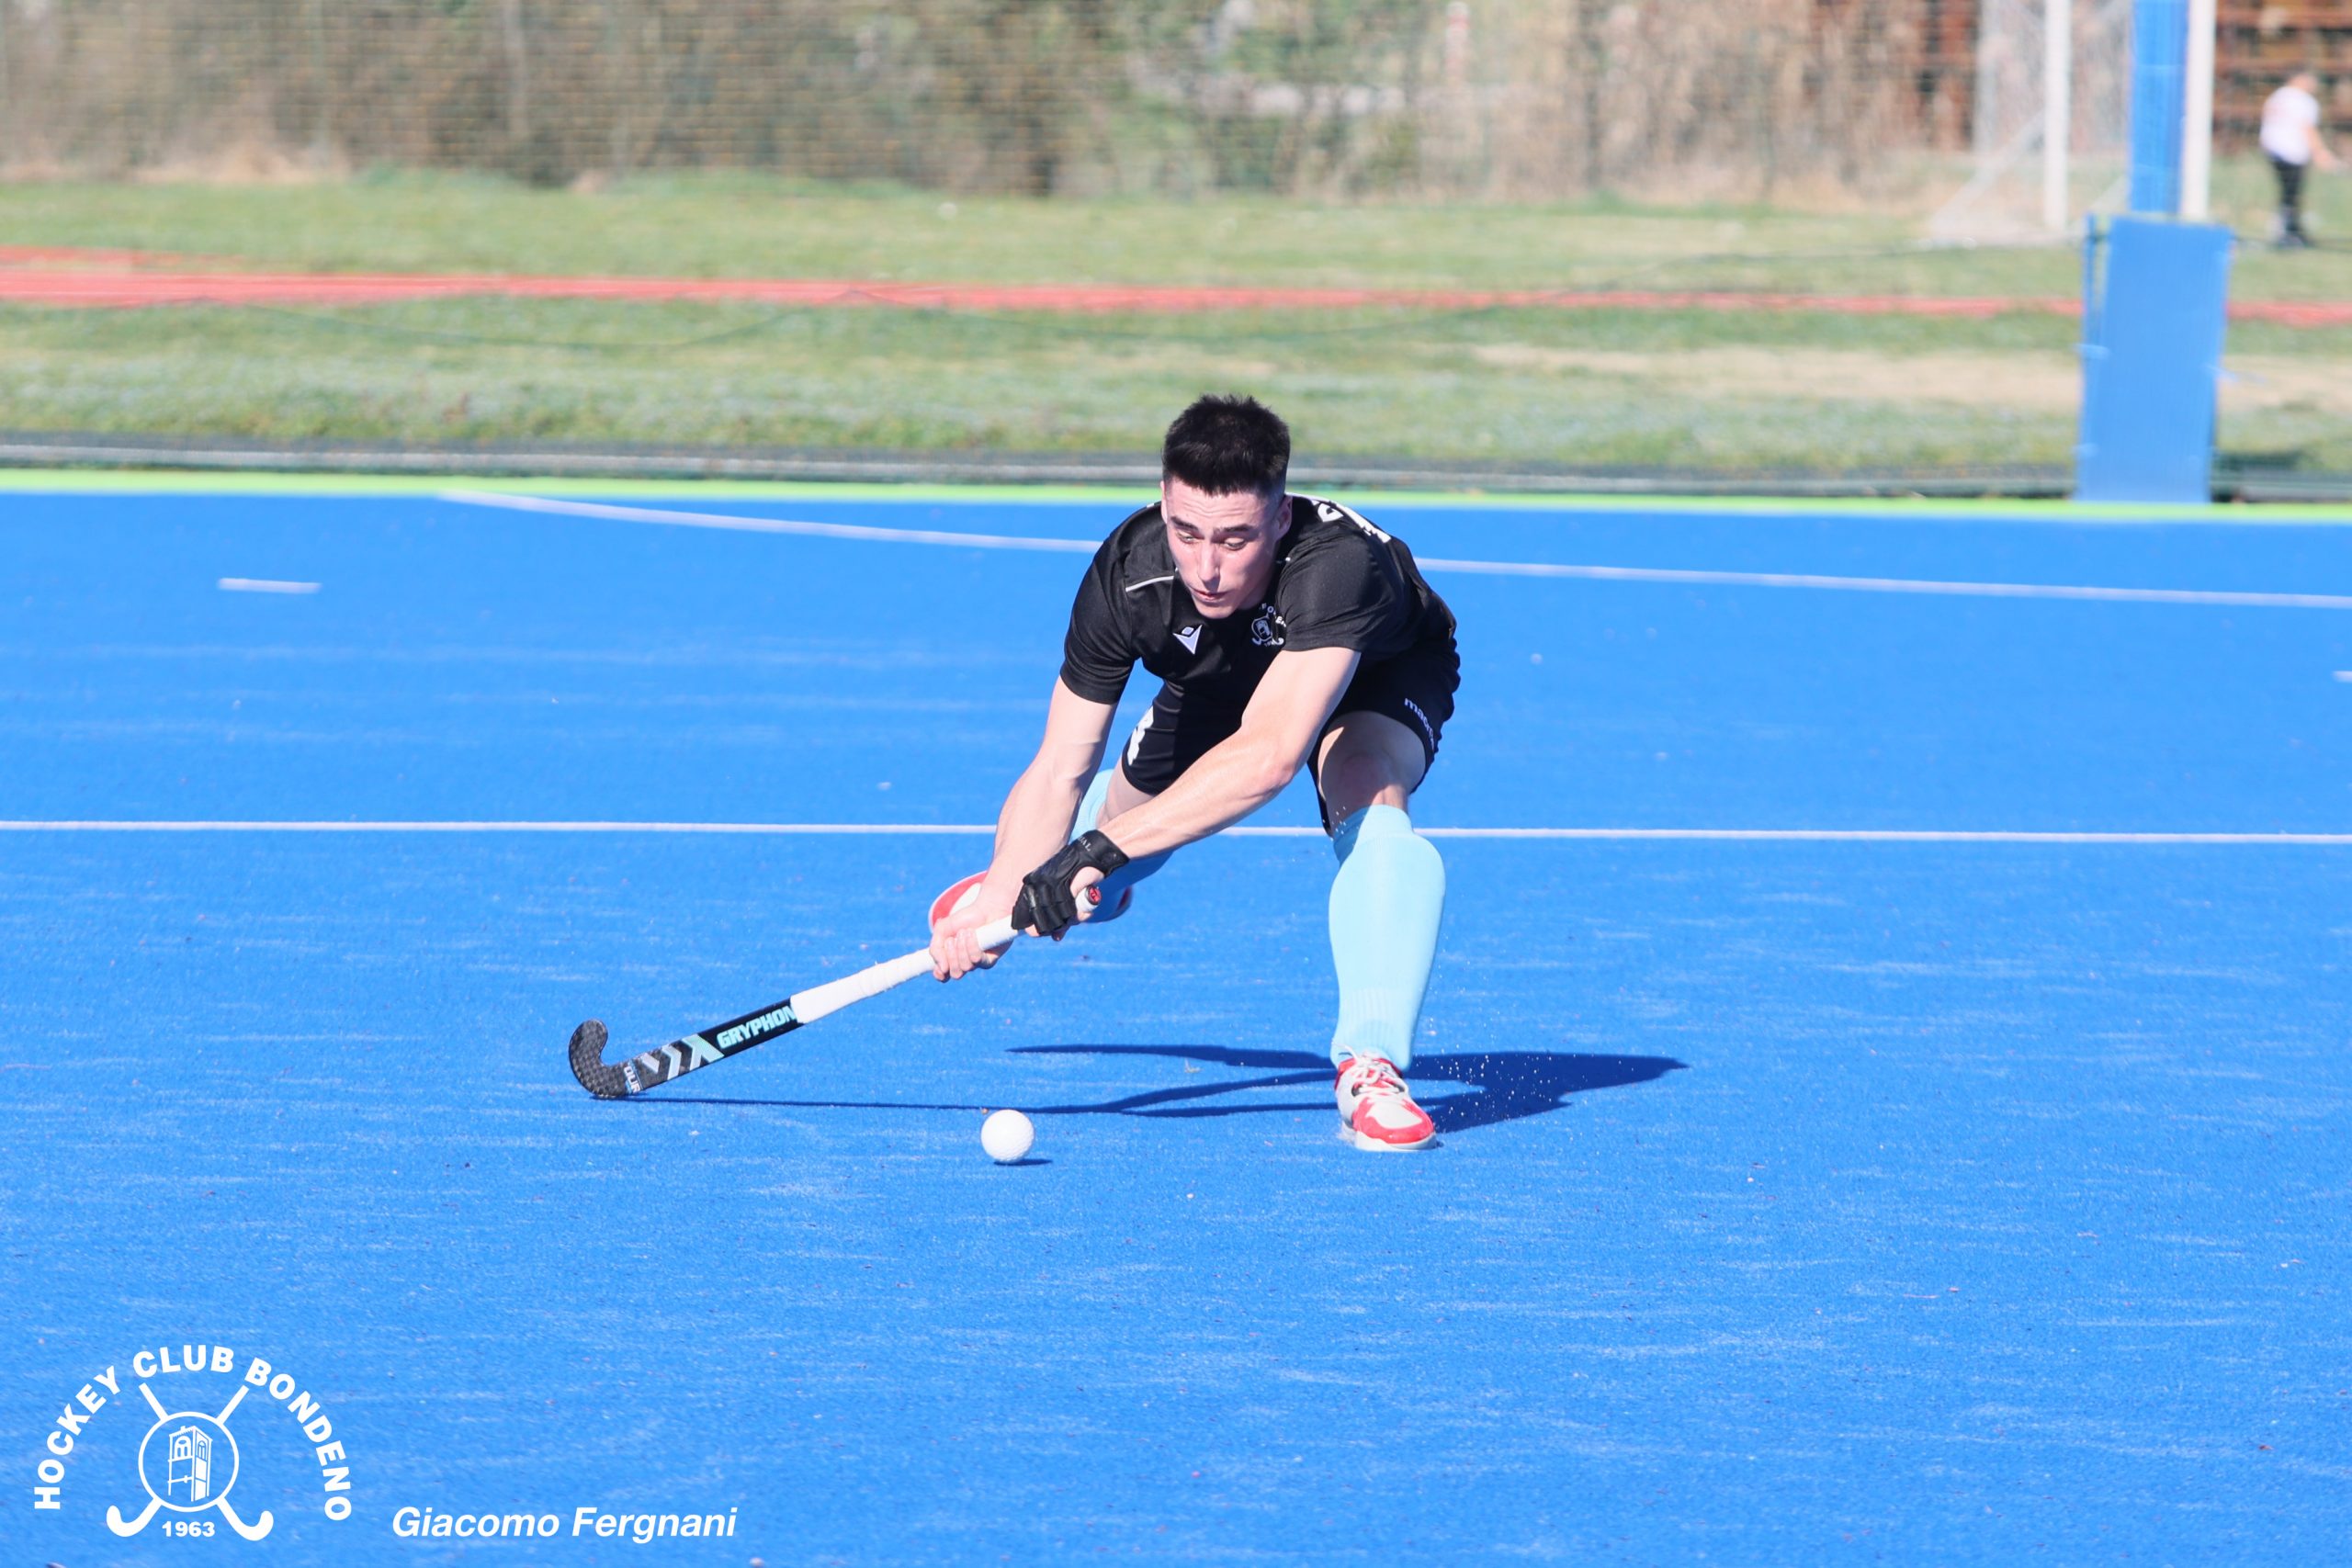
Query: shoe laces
x=1377 y=1077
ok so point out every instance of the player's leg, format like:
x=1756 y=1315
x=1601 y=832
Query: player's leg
x=1390 y=888
x=2290 y=202
x=1387 y=895
x=1111 y=796
x=1366 y=758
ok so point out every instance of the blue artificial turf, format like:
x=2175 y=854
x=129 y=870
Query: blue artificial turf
x=1795 y=1201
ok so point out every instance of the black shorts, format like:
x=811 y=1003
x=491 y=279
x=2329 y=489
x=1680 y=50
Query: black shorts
x=1416 y=689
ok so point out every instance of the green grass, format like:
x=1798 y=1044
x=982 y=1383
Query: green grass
x=741 y=225
x=1366 y=384
x=737 y=226
x=1682 y=390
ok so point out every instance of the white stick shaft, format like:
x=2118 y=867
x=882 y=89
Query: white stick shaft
x=834 y=995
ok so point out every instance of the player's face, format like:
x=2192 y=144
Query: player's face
x=1225 y=546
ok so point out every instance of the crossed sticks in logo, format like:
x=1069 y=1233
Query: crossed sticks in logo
x=189 y=1462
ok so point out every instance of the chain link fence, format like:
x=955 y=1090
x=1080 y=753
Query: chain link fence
x=1497 y=98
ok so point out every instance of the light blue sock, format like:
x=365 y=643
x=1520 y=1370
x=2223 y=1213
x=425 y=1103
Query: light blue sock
x=1114 y=886
x=1384 y=906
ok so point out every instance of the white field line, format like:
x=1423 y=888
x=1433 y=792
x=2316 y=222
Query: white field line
x=981 y=830
x=265 y=585
x=767 y=525
x=891 y=829
x=2233 y=597
x=2243 y=599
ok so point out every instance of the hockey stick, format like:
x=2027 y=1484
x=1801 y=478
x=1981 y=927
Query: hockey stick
x=649 y=1070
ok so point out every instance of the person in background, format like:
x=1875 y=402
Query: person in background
x=2290 y=136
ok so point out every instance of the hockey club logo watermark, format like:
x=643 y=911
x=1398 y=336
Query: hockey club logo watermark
x=1269 y=630
x=188 y=1462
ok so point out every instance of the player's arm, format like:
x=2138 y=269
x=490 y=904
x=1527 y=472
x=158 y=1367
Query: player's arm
x=1286 y=713
x=1042 y=801
x=1032 y=824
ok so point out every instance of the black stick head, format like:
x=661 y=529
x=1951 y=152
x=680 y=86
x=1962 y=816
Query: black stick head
x=588 y=1064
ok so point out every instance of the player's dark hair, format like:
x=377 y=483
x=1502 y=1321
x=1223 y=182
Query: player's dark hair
x=1225 y=446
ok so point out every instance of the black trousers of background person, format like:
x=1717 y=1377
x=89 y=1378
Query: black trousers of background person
x=2290 y=200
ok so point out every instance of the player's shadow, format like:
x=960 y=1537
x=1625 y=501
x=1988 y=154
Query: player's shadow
x=1503 y=1086
x=1499 y=1086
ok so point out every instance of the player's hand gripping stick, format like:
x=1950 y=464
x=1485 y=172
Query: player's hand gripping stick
x=1045 y=904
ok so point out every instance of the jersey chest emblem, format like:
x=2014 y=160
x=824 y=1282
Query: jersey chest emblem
x=1191 y=638
x=1268 y=631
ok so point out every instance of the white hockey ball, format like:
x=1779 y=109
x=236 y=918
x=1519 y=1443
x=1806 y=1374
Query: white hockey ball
x=1006 y=1135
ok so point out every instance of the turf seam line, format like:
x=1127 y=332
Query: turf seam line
x=2233 y=598
x=973 y=829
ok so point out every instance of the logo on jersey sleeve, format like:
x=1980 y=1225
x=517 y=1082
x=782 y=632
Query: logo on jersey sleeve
x=1269 y=630
x=1134 y=742
x=1191 y=638
x=1332 y=511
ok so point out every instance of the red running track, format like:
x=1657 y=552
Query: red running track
x=120 y=280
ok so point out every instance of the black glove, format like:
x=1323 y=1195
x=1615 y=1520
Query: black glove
x=1045 y=902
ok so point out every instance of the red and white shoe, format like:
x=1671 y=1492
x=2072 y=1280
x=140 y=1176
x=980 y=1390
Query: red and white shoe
x=1376 y=1110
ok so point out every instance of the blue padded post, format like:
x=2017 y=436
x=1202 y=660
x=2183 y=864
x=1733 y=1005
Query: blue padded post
x=2159 y=83
x=2154 y=308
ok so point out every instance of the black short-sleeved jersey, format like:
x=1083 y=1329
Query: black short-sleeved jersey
x=1340 y=582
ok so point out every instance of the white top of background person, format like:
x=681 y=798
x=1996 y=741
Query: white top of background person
x=1287 y=632
x=2290 y=120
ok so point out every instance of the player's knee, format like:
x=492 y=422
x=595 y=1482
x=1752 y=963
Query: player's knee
x=1348 y=782
x=1370 y=758
x=1356 y=780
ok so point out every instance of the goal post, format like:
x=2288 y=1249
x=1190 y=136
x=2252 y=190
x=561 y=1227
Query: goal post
x=2057 y=109
x=2048 y=119
x=2197 y=113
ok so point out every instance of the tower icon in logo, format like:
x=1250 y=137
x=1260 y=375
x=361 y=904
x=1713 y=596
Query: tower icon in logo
x=194 y=1459
x=190 y=1465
